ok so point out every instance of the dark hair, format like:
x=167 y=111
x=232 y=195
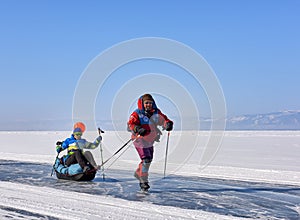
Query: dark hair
x=147 y=97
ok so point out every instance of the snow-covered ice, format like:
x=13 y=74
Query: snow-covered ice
x=255 y=174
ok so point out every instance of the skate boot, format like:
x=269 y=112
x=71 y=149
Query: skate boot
x=144 y=187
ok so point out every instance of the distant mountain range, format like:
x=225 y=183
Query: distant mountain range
x=283 y=120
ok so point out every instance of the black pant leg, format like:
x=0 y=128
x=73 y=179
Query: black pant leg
x=77 y=157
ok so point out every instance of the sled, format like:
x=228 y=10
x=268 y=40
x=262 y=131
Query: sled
x=73 y=172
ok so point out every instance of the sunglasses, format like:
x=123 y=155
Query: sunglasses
x=148 y=102
x=77 y=134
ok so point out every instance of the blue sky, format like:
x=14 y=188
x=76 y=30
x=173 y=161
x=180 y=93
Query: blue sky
x=252 y=46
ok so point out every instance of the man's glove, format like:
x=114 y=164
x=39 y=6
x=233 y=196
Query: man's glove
x=141 y=131
x=169 y=126
x=58 y=149
x=59 y=143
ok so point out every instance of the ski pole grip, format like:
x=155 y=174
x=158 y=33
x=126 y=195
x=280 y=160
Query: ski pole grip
x=100 y=131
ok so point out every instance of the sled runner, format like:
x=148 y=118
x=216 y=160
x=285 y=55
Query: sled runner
x=87 y=176
x=73 y=172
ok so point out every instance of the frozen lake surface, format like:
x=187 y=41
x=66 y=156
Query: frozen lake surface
x=227 y=189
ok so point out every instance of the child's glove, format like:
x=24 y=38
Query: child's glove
x=58 y=149
x=98 y=139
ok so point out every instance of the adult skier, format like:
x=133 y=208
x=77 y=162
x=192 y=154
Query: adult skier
x=143 y=123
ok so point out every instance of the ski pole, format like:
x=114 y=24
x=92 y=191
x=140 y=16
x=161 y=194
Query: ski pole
x=54 y=164
x=166 y=155
x=101 y=153
x=57 y=143
x=124 y=145
x=125 y=149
